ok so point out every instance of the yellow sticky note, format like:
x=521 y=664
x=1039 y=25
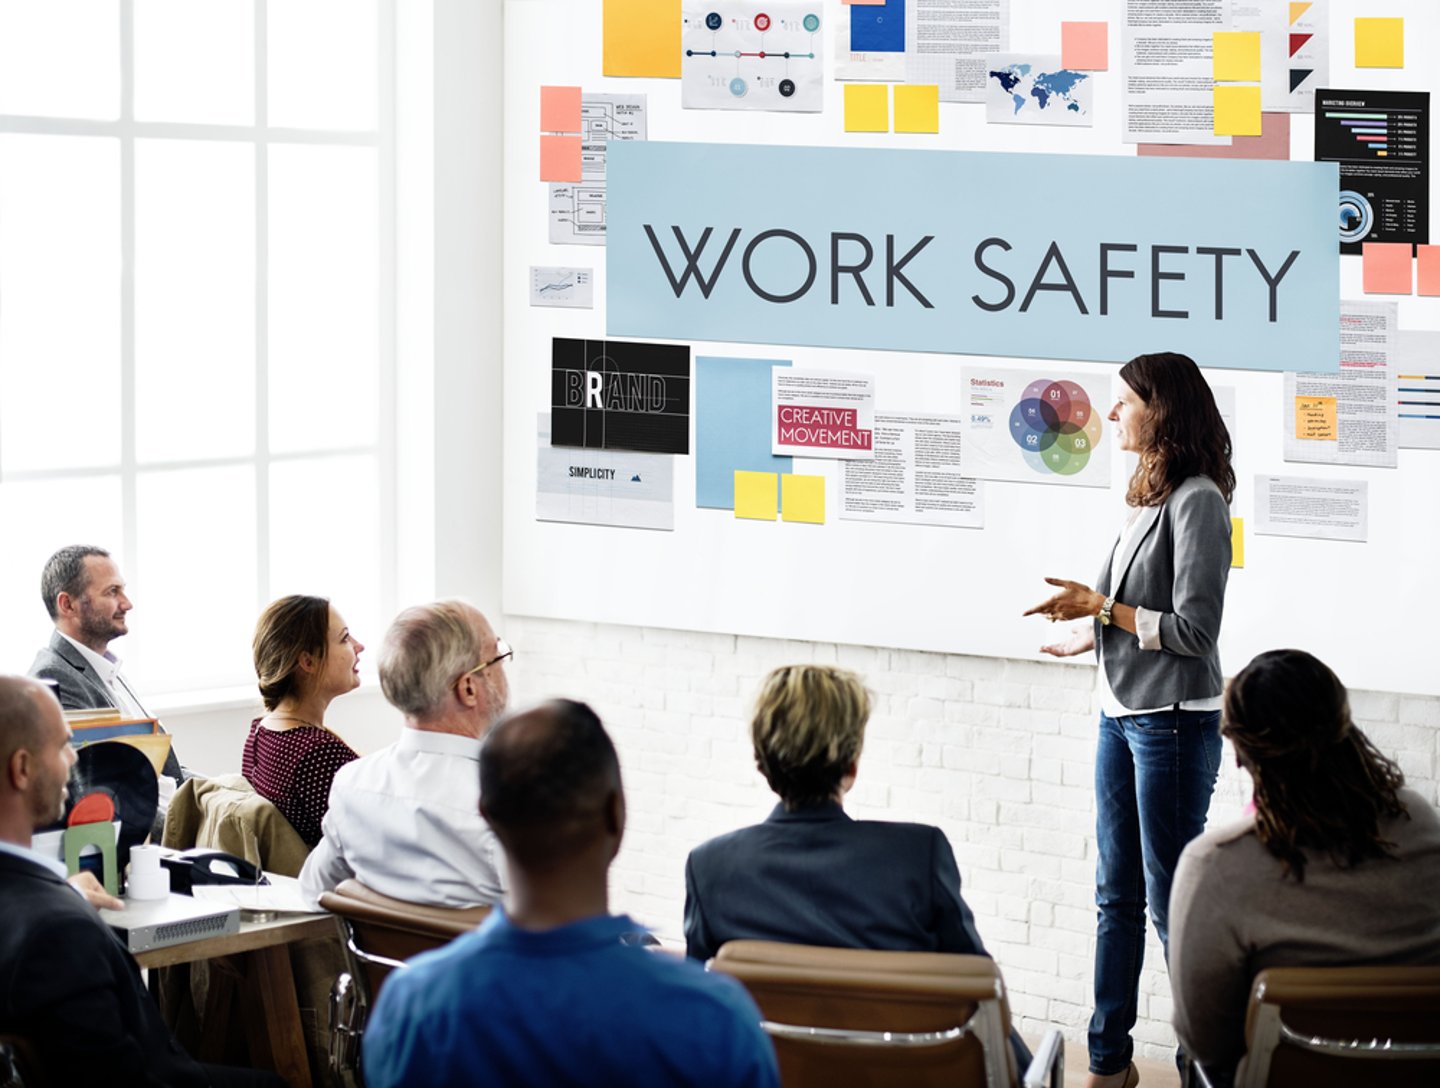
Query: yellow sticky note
x=1299 y=8
x=1379 y=43
x=1315 y=418
x=802 y=498
x=1237 y=55
x=642 y=38
x=1237 y=542
x=867 y=107
x=755 y=494
x=1237 y=110
x=917 y=107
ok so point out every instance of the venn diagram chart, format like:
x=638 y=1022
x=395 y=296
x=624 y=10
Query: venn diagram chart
x=1043 y=429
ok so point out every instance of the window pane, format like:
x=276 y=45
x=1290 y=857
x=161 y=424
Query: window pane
x=60 y=58
x=194 y=299
x=336 y=37
x=40 y=517
x=195 y=61
x=194 y=579
x=325 y=537
x=60 y=285
x=323 y=297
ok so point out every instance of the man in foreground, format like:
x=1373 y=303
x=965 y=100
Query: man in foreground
x=552 y=989
x=405 y=821
x=67 y=985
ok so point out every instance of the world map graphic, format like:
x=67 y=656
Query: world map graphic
x=1032 y=90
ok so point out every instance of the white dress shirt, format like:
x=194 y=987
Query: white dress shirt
x=405 y=822
x=107 y=668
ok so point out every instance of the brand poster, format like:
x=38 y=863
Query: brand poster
x=619 y=395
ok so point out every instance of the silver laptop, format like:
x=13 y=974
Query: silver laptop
x=157 y=923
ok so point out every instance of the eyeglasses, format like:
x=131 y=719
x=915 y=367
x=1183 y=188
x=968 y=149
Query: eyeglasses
x=502 y=651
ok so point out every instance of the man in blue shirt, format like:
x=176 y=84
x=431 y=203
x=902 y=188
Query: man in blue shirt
x=552 y=989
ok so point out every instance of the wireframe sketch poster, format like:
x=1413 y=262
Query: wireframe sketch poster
x=1035 y=428
x=742 y=56
x=617 y=394
x=822 y=413
x=603 y=487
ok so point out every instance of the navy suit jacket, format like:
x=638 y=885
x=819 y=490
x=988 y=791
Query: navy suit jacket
x=817 y=877
x=71 y=988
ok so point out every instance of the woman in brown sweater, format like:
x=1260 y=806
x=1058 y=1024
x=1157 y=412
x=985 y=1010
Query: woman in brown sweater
x=1339 y=864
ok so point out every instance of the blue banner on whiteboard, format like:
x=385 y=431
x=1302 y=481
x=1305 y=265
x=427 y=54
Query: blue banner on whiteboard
x=1043 y=256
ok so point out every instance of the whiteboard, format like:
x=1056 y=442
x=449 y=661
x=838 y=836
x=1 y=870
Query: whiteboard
x=1358 y=606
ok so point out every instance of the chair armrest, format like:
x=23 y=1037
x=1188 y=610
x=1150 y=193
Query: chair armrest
x=1047 y=1067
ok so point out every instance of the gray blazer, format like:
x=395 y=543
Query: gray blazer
x=78 y=688
x=1177 y=564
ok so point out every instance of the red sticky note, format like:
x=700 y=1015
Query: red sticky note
x=1427 y=270
x=1386 y=268
x=1085 y=46
x=559 y=158
x=560 y=109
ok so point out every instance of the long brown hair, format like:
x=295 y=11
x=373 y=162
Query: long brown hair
x=1320 y=784
x=1185 y=434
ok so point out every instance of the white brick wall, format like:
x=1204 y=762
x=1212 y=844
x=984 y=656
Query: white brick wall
x=998 y=753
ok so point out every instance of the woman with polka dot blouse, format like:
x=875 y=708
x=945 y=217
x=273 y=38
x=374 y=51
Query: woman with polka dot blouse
x=304 y=657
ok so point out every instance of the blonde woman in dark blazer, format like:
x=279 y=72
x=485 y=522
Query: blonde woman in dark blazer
x=1157 y=607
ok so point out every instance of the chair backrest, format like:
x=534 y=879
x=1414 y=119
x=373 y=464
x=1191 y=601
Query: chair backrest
x=380 y=933
x=225 y=813
x=19 y=1064
x=843 y=1016
x=1324 y=1026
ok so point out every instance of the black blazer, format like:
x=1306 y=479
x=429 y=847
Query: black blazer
x=70 y=987
x=817 y=877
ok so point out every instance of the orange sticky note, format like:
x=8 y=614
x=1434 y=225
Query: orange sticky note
x=1427 y=270
x=560 y=158
x=1299 y=8
x=1386 y=268
x=1085 y=46
x=1237 y=110
x=1237 y=542
x=1379 y=43
x=1316 y=419
x=917 y=107
x=802 y=498
x=867 y=107
x=559 y=109
x=641 y=38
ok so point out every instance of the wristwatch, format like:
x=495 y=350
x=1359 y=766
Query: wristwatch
x=1104 y=614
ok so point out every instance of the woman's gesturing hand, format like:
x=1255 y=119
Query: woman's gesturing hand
x=1074 y=601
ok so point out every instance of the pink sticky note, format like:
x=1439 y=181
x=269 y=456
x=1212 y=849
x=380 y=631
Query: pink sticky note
x=1085 y=46
x=559 y=158
x=1427 y=270
x=1386 y=268
x=864 y=3
x=560 y=109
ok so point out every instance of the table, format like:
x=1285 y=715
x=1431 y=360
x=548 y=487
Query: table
x=273 y=1026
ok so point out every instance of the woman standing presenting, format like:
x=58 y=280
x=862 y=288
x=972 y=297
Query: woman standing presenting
x=1157 y=607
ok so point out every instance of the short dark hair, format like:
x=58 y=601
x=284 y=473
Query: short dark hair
x=22 y=717
x=1187 y=436
x=545 y=777
x=65 y=573
x=1320 y=784
x=289 y=627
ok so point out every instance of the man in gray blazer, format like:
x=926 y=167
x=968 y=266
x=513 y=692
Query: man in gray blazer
x=84 y=593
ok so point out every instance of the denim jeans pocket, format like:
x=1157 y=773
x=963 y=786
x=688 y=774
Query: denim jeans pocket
x=1163 y=724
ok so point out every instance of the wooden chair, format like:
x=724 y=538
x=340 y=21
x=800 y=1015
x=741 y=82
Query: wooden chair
x=1324 y=1027
x=379 y=934
x=842 y=1017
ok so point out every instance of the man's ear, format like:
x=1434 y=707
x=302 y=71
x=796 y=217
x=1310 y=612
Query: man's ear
x=65 y=604
x=19 y=769
x=614 y=813
x=467 y=689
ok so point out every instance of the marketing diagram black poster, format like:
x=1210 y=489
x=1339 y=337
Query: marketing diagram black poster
x=620 y=395
x=1381 y=139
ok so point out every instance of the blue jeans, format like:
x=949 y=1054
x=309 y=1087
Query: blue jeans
x=1154 y=774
